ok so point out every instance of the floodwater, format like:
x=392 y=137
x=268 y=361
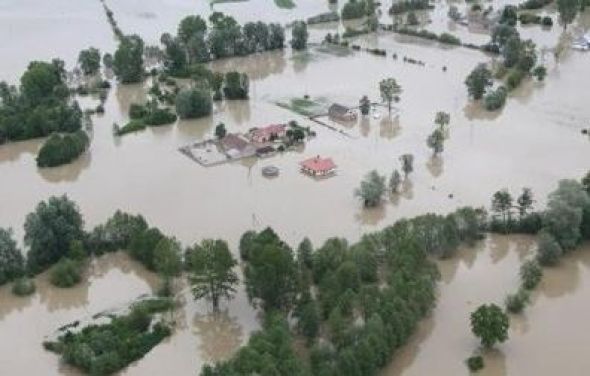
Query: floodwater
x=534 y=141
x=545 y=340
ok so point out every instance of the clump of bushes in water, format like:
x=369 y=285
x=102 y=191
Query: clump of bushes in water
x=107 y=348
x=59 y=150
x=515 y=303
x=66 y=273
x=534 y=4
x=408 y=5
x=496 y=99
x=355 y=9
x=23 y=287
x=324 y=17
x=475 y=363
x=148 y=114
x=193 y=103
x=445 y=38
x=40 y=106
x=528 y=18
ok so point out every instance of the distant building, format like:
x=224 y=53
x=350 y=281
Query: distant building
x=342 y=113
x=268 y=133
x=318 y=166
x=236 y=146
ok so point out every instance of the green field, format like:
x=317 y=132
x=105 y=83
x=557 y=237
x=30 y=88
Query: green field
x=285 y=4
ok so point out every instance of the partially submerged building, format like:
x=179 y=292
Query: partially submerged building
x=268 y=133
x=341 y=113
x=318 y=166
x=236 y=146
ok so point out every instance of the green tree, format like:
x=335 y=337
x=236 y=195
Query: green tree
x=394 y=181
x=193 y=103
x=586 y=182
x=276 y=37
x=530 y=274
x=66 y=273
x=436 y=141
x=11 y=259
x=568 y=9
x=128 y=60
x=220 y=131
x=490 y=324
x=43 y=82
x=511 y=51
x=236 y=85
x=58 y=150
x=540 y=72
x=502 y=205
x=305 y=253
x=299 y=35
x=478 y=80
x=525 y=202
x=390 y=91
x=442 y=119
x=211 y=274
x=168 y=262
x=191 y=26
x=89 y=61
x=271 y=272
x=407 y=164
x=175 y=57
x=372 y=189
x=50 y=230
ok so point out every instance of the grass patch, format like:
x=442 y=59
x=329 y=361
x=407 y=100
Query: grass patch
x=305 y=106
x=285 y=4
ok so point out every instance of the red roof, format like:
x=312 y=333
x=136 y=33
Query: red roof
x=267 y=131
x=318 y=164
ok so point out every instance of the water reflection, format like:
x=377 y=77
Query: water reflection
x=67 y=173
x=389 y=127
x=435 y=165
x=220 y=335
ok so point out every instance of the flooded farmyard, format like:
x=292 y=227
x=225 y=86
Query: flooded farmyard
x=533 y=141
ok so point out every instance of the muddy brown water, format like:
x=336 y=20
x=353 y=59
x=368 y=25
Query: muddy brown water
x=534 y=141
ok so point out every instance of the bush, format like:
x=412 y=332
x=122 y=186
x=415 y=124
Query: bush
x=548 y=250
x=132 y=126
x=66 y=273
x=547 y=21
x=530 y=274
x=449 y=39
x=59 y=150
x=23 y=287
x=527 y=18
x=496 y=99
x=193 y=103
x=160 y=116
x=515 y=303
x=407 y=5
x=534 y=4
x=514 y=79
x=137 y=111
x=540 y=72
x=475 y=363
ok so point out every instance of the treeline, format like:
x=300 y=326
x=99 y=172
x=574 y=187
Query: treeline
x=367 y=297
x=403 y=6
x=199 y=42
x=41 y=105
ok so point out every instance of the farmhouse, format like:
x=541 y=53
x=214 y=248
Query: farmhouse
x=236 y=146
x=268 y=133
x=318 y=166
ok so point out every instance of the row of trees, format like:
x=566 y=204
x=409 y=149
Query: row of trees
x=373 y=186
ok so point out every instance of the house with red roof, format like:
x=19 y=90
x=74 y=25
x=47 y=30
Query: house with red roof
x=268 y=133
x=318 y=166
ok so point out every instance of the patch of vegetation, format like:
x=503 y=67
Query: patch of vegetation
x=515 y=303
x=23 y=287
x=66 y=273
x=534 y=4
x=59 y=150
x=324 y=17
x=285 y=4
x=403 y=6
x=107 y=348
x=130 y=127
x=475 y=363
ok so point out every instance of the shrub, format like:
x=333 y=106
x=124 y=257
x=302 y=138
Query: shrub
x=449 y=39
x=354 y=9
x=540 y=72
x=527 y=18
x=160 y=116
x=548 y=250
x=59 y=150
x=193 y=103
x=496 y=99
x=547 y=21
x=515 y=303
x=137 y=111
x=23 y=287
x=407 y=5
x=514 y=79
x=530 y=274
x=66 y=273
x=475 y=363
x=132 y=126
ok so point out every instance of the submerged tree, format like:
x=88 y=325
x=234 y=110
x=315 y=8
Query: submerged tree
x=220 y=131
x=168 y=262
x=525 y=202
x=128 y=60
x=490 y=324
x=211 y=274
x=442 y=119
x=502 y=205
x=12 y=264
x=568 y=9
x=436 y=141
x=478 y=80
x=299 y=35
x=390 y=91
x=372 y=189
x=407 y=164
x=548 y=250
x=365 y=105
x=395 y=181
x=89 y=60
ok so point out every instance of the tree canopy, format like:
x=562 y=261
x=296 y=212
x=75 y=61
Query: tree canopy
x=490 y=324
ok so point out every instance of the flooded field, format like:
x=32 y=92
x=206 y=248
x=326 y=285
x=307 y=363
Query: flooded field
x=534 y=141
